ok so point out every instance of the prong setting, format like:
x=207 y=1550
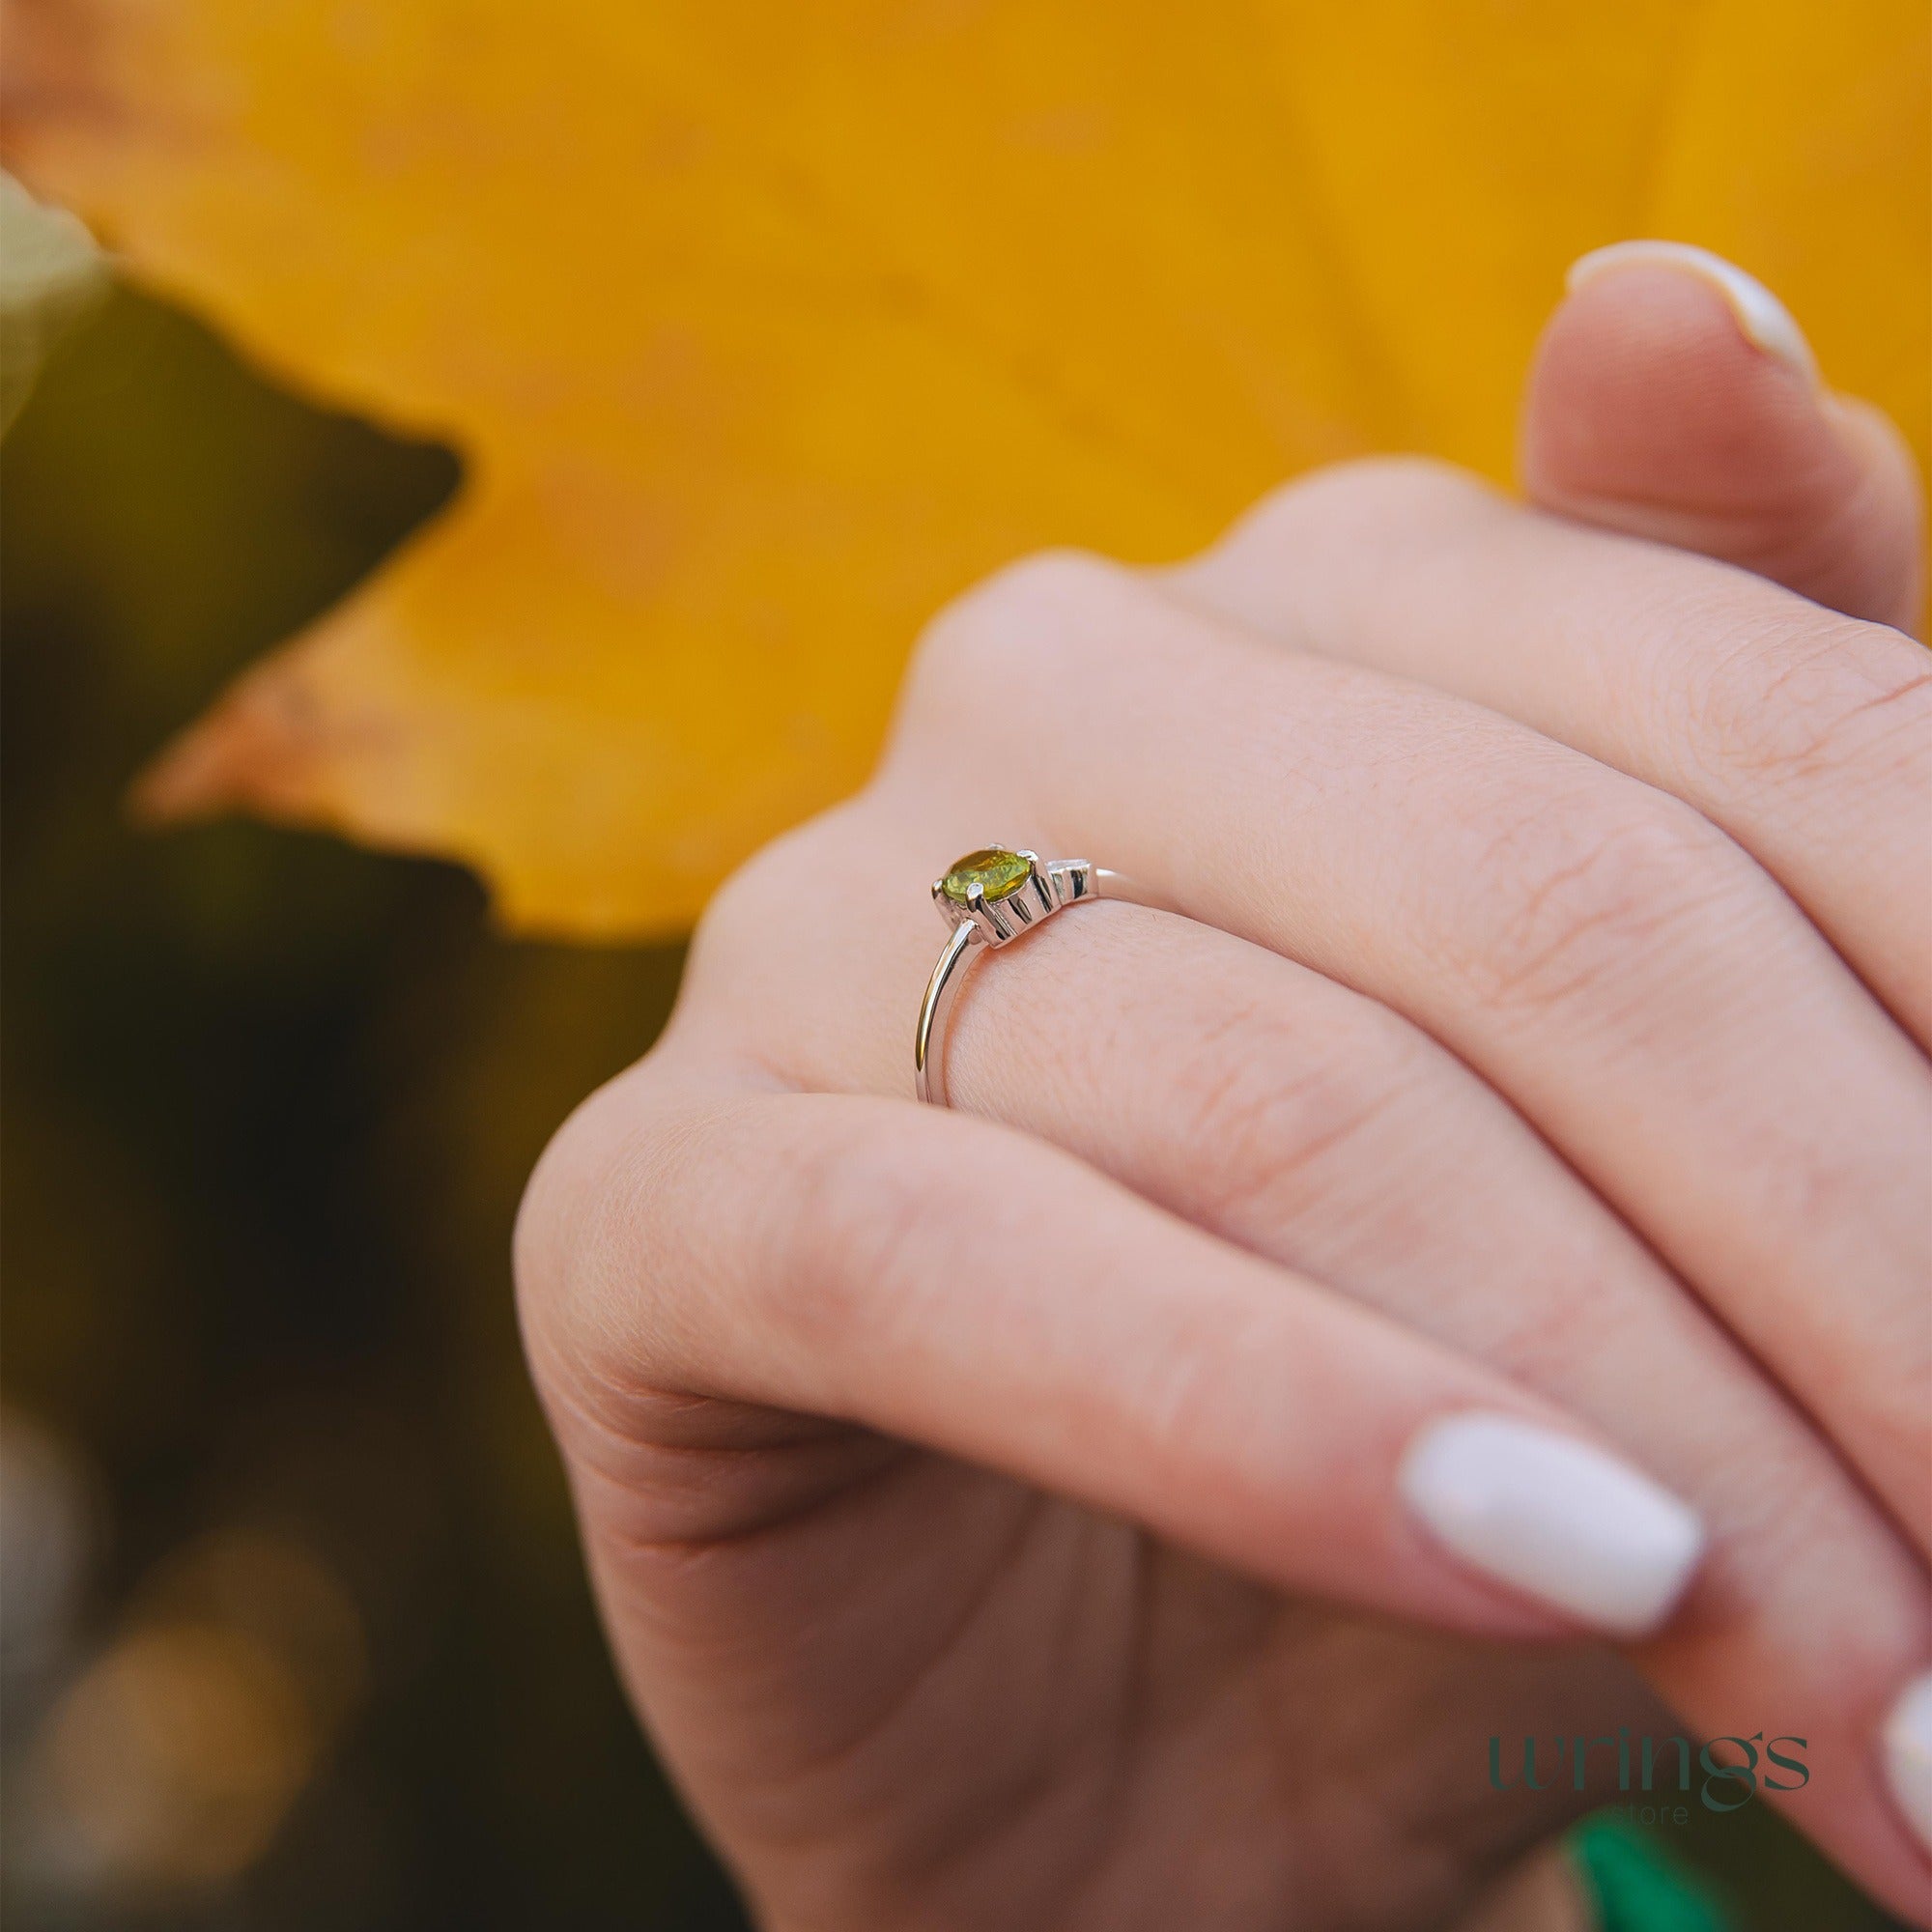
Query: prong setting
x=1025 y=892
x=1000 y=918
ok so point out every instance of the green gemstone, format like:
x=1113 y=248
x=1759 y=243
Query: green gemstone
x=998 y=873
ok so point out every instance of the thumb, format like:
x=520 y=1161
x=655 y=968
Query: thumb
x=1673 y=397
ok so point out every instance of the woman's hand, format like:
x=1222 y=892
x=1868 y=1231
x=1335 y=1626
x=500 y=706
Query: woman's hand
x=998 y=1518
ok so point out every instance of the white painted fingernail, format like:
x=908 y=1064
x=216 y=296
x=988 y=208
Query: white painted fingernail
x=1907 y=1756
x=1555 y=1517
x=1764 y=320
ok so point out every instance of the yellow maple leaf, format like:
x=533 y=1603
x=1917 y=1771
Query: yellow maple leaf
x=763 y=327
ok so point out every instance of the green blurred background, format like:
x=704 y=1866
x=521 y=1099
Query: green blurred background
x=294 y=1629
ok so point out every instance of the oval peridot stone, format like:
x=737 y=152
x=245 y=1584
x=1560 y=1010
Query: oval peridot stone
x=998 y=873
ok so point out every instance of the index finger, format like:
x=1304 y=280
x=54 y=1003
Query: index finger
x=959 y=1285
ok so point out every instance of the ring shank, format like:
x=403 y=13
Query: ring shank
x=929 y=1040
x=932 y=1015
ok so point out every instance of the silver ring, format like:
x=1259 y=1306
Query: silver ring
x=990 y=898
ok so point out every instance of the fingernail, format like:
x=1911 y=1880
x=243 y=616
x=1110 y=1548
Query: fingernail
x=1764 y=320
x=1907 y=1756
x=1554 y=1516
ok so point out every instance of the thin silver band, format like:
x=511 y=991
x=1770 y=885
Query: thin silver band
x=983 y=924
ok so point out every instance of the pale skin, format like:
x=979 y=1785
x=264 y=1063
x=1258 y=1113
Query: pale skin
x=994 y=1509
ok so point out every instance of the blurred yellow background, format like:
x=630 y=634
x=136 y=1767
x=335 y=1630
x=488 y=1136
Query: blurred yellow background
x=764 y=329
x=732 y=354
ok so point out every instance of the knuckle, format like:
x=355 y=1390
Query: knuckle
x=542 y=1247
x=1368 y=498
x=738 y=916
x=1813 y=696
x=1393 y=486
x=1583 y=894
x=1009 y=625
x=737 y=911
x=574 y=1222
